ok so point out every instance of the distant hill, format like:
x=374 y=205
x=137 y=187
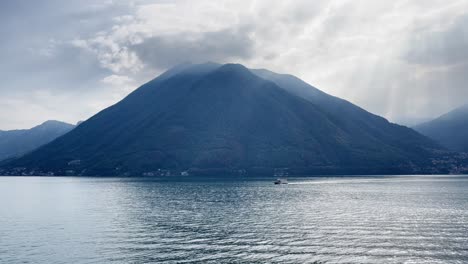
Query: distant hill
x=209 y=118
x=15 y=143
x=450 y=129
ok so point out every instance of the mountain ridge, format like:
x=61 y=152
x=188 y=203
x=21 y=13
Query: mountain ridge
x=20 y=141
x=449 y=129
x=211 y=117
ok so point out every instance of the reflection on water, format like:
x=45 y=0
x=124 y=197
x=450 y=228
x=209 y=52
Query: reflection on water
x=317 y=220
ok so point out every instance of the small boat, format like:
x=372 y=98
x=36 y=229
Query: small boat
x=281 y=181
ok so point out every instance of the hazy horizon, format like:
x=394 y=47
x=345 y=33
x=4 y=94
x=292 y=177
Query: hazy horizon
x=406 y=61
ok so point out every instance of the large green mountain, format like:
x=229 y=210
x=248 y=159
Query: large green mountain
x=450 y=130
x=15 y=143
x=211 y=117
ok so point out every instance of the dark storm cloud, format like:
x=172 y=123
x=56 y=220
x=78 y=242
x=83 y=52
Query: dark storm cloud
x=162 y=52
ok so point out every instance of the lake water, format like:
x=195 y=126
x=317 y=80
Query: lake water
x=313 y=220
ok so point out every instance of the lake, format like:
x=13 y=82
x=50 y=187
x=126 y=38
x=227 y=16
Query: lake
x=404 y=219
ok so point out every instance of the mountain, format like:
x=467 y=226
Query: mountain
x=15 y=143
x=450 y=129
x=211 y=118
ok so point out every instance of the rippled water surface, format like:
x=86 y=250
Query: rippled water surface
x=315 y=220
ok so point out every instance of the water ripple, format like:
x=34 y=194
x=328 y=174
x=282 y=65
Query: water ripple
x=336 y=220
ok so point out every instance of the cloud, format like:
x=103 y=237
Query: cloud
x=124 y=83
x=405 y=60
x=116 y=80
x=442 y=46
x=162 y=52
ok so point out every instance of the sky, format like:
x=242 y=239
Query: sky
x=406 y=60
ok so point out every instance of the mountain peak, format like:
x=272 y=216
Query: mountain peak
x=206 y=117
x=204 y=68
x=458 y=113
x=54 y=123
x=233 y=66
x=235 y=70
x=189 y=68
x=449 y=129
x=18 y=142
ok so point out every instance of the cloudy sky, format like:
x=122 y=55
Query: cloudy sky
x=406 y=60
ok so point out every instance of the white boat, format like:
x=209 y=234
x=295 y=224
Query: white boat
x=281 y=181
